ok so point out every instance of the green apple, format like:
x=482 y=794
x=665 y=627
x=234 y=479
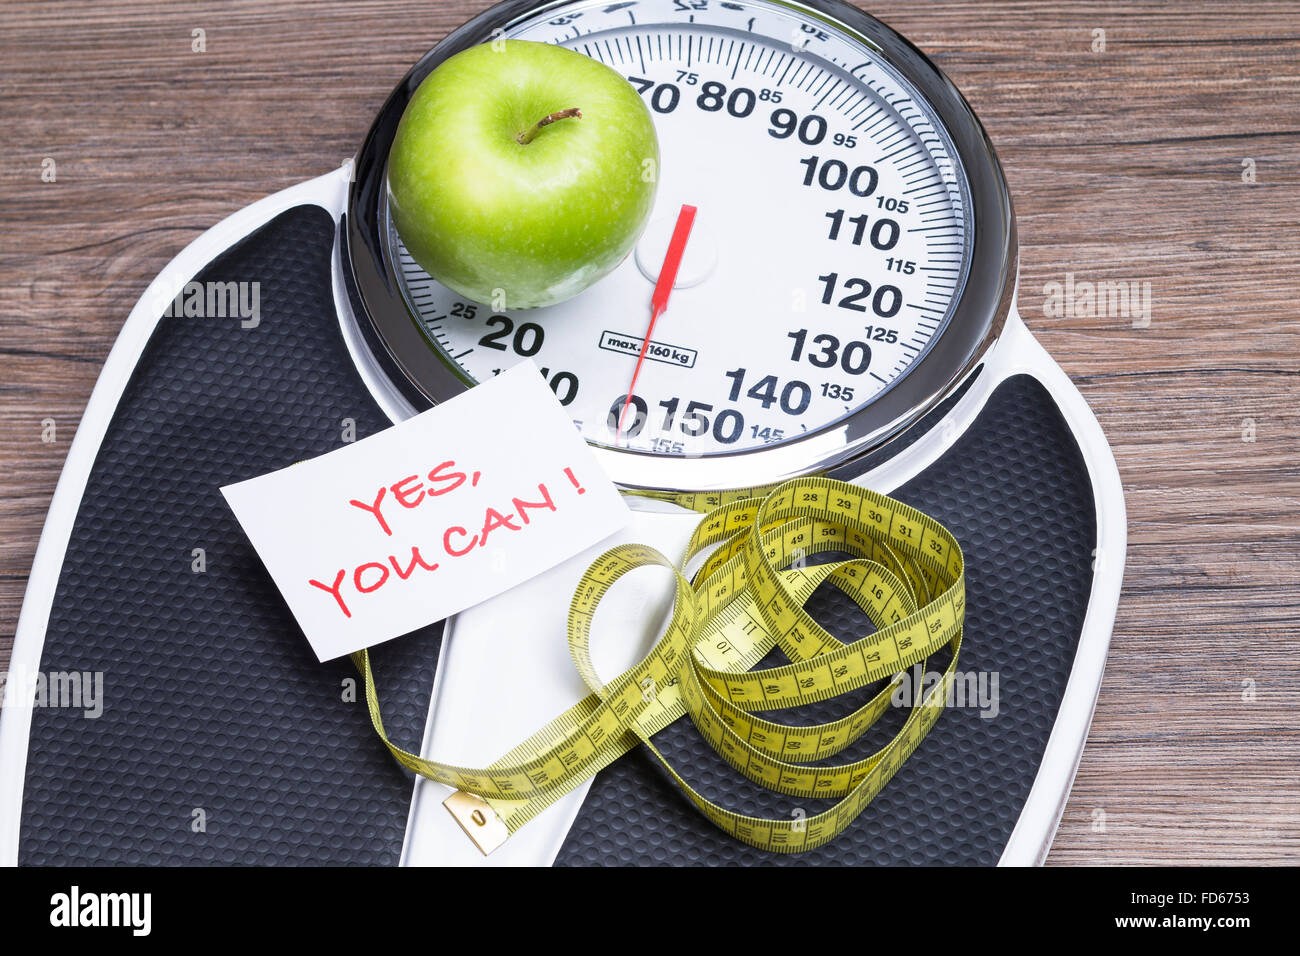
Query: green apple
x=522 y=172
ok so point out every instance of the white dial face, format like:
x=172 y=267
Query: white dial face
x=827 y=252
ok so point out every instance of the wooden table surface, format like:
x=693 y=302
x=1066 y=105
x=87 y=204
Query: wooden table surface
x=1128 y=158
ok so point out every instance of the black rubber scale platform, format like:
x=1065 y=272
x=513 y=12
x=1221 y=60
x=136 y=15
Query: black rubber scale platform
x=214 y=702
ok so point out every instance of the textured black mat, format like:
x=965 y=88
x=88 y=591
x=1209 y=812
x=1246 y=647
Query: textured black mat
x=1015 y=491
x=213 y=699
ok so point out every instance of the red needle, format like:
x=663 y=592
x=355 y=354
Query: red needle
x=659 y=301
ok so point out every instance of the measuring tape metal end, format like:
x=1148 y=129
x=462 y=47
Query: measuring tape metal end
x=479 y=821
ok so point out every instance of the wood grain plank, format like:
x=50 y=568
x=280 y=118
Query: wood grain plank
x=1124 y=165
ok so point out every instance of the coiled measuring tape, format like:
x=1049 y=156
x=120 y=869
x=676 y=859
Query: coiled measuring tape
x=746 y=599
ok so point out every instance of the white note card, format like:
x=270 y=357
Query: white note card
x=429 y=517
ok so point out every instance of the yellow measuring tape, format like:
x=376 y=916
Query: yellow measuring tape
x=746 y=599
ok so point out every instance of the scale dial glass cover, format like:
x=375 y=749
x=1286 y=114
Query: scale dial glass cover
x=831 y=245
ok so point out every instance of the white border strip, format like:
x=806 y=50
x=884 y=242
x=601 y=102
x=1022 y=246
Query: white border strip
x=1032 y=837
x=330 y=193
x=386 y=395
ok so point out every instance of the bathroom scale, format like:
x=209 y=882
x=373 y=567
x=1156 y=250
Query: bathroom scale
x=845 y=307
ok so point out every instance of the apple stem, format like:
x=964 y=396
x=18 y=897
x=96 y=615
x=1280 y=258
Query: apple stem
x=528 y=135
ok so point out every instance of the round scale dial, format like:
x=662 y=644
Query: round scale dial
x=829 y=247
